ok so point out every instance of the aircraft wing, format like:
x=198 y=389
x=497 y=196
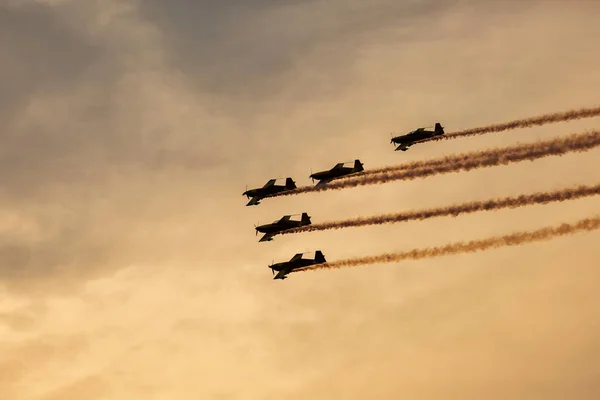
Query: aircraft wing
x=267 y=237
x=323 y=182
x=271 y=182
x=254 y=201
x=282 y=274
x=296 y=257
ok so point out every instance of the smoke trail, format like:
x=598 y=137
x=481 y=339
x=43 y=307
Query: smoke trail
x=514 y=239
x=435 y=162
x=424 y=164
x=457 y=209
x=522 y=123
x=468 y=161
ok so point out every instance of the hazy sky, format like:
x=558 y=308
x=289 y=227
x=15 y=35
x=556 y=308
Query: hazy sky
x=129 y=265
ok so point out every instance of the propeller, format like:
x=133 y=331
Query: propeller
x=392 y=137
x=256 y=230
x=271 y=266
x=311 y=177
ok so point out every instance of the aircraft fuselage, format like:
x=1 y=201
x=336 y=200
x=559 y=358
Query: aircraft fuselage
x=405 y=141
x=278 y=227
x=264 y=191
x=284 y=268
x=413 y=137
x=337 y=172
x=332 y=174
x=288 y=265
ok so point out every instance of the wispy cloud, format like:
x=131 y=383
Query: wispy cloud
x=129 y=130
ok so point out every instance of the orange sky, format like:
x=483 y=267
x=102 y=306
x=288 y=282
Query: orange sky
x=129 y=264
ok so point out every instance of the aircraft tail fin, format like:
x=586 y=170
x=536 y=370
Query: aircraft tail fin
x=439 y=129
x=290 y=184
x=305 y=218
x=319 y=257
x=358 y=166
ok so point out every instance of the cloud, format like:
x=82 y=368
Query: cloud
x=127 y=258
x=252 y=50
x=91 y=111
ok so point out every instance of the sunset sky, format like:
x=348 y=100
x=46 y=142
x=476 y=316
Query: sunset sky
x=129 y=265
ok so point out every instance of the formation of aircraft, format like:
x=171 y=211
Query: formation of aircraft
x=405 y=141
x=257 y=194
x=281 y=225
x=336 y=172
x=284 y=268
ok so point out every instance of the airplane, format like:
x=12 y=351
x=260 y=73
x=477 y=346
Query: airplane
x=296 y=262
x=283 y=224
x=405 y=141
x=336 y=172
x=269 y=188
